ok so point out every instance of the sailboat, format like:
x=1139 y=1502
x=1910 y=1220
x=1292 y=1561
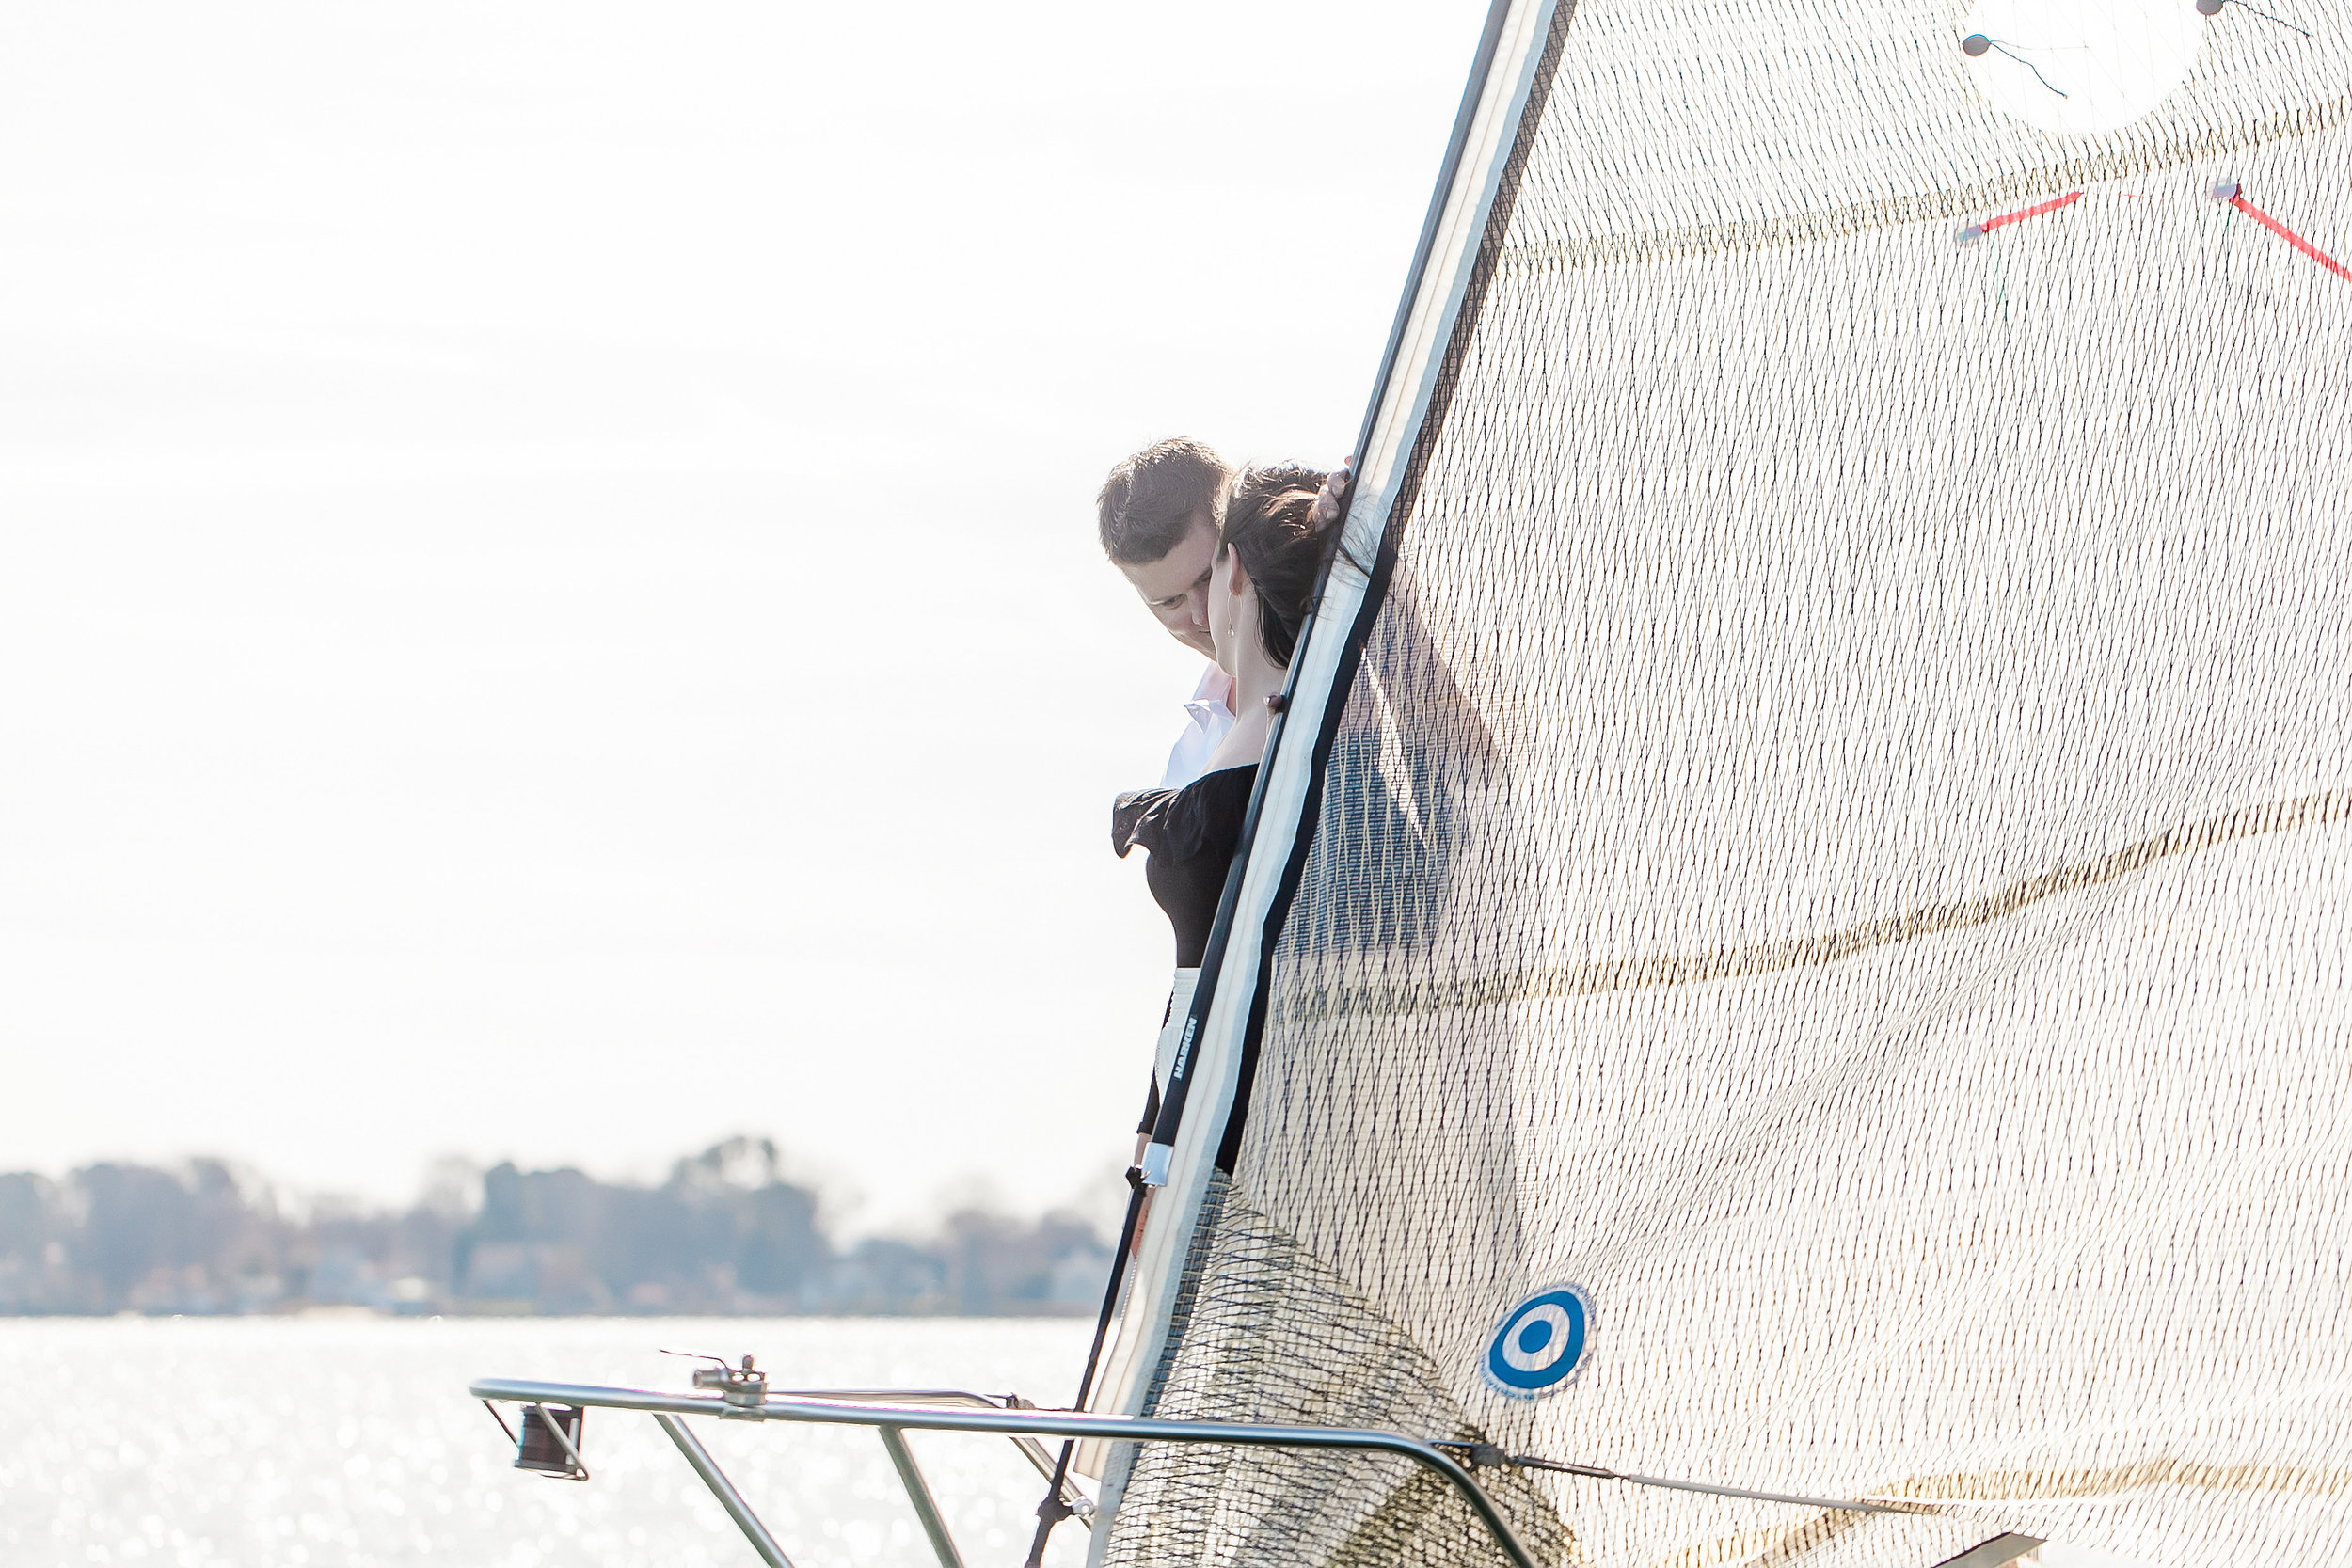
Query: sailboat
x=1786 y=996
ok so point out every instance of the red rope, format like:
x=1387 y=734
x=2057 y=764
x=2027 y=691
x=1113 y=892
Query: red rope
x=2298 y=240
x=2033 y=211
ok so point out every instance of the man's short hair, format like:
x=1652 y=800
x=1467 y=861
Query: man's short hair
x=1149 y=503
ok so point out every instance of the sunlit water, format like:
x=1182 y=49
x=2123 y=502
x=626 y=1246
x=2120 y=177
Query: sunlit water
x=350 y=1443
x=261 y=1442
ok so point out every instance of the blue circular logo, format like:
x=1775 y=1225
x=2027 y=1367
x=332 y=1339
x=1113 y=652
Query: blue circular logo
x=1539 y=1343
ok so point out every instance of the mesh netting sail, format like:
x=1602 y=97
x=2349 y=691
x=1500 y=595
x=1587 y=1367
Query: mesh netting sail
x=1798 y=935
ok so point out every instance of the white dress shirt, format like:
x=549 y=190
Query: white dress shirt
x=1208 y=715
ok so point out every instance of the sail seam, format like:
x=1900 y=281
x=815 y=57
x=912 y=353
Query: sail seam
x=1837 y=223
x=1589 y=979
x=2028 y=1487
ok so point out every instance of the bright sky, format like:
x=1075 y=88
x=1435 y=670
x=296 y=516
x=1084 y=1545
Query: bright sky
x=548 y=607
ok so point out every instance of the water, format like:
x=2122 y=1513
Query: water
x=350 y=1443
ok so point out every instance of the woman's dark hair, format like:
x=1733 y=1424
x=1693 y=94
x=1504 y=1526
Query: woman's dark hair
x=1270 y=522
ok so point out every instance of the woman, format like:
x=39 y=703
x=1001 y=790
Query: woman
x=1270 y=548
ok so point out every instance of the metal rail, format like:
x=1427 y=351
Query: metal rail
x=919 y=1494
x=1081 y=1506
x=724 y=1489
x=664 y=1404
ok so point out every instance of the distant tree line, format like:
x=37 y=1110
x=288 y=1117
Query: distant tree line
x=726 y=1234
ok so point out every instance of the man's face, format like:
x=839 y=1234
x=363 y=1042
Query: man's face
x=1175 y=588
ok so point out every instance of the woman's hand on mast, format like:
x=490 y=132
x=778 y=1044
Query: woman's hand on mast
x=1334 y=493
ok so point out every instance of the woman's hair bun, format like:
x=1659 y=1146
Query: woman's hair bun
x=1270 y=523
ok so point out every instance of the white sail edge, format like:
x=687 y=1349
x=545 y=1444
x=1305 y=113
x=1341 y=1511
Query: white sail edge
x=1403 y=404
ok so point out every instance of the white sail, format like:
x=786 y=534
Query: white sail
x=1157 y=1285
x=1809 y=898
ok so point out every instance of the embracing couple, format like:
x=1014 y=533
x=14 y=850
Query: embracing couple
x=1227 y=562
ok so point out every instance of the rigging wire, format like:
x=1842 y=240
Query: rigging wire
x=1055 y=1508
x=1485 y=1454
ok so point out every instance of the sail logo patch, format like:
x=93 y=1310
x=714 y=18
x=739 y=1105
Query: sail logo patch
x=1539 y=1343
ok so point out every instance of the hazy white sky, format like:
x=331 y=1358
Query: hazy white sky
x=548 y=607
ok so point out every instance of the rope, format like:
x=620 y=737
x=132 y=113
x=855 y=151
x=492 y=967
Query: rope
x=1053 y=1510
x=1478 y=1454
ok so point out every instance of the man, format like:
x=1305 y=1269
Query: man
x=1158 y=515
